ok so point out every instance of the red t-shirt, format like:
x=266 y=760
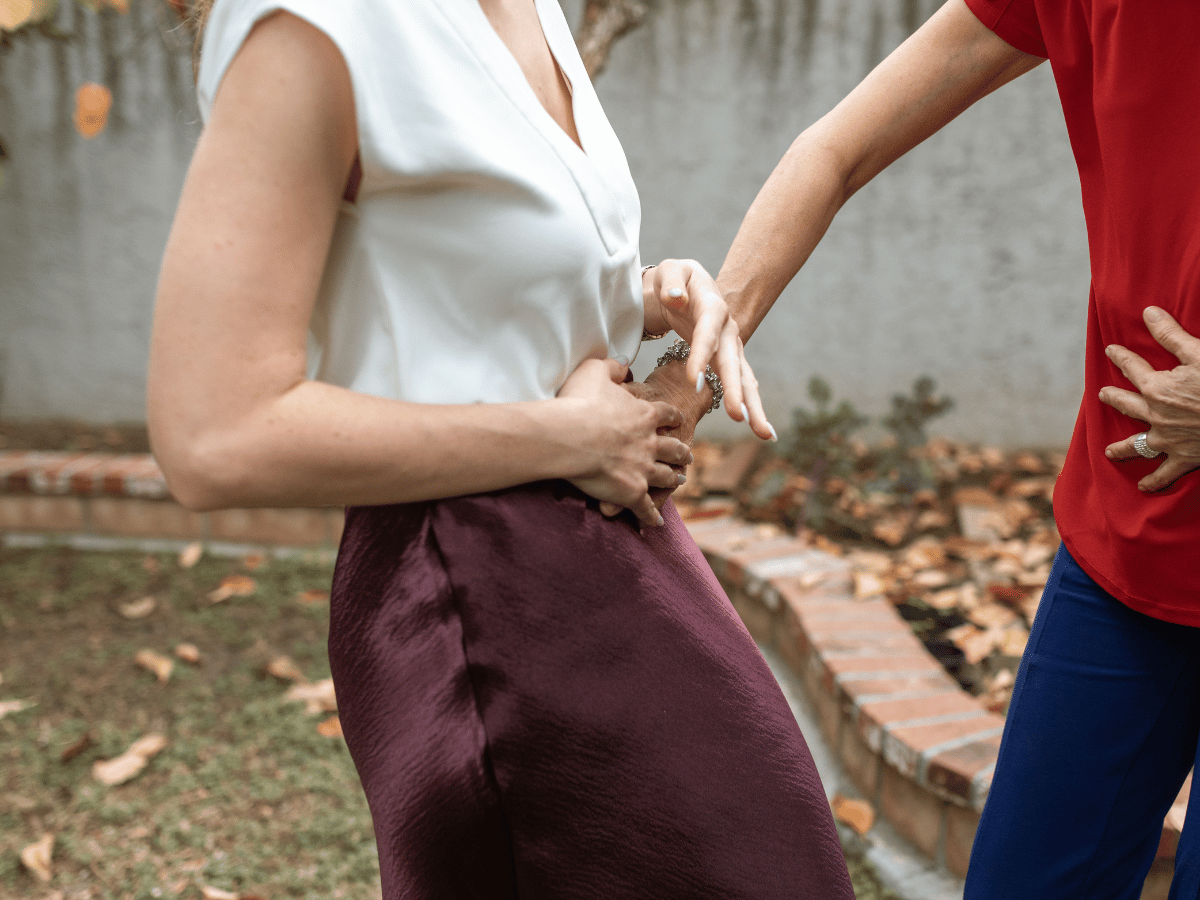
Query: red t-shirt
x=1128 y=75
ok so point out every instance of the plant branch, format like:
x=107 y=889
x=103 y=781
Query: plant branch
x=603 y=22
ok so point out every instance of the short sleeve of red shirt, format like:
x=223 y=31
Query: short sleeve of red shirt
x=1015 y=21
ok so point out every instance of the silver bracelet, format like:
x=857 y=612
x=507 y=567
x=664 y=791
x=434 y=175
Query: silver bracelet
x=681 y=350
x=647 y=336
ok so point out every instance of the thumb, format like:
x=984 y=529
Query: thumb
x=618 y=369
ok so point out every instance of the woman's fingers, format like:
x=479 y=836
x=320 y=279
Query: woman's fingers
x=668 y=416
x=753 y=405
x=729 y=369
x=646 y=511
x=663 y=476
x=673 y=452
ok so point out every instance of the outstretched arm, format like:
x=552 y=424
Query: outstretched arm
x=233 y=419
x=949 y=63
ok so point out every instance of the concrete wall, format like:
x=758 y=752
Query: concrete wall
x=966 y=261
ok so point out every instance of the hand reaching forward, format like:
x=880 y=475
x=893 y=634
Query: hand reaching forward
x=679 y=295
x=1167 y=401
x=618 y=436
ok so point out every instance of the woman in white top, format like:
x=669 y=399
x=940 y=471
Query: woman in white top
x=404 y=277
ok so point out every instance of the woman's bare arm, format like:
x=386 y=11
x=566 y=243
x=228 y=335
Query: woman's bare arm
x=233 y=419
x=952 y=61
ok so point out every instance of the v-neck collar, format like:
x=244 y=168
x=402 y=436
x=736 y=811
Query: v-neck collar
x=587 y=171
x=512 y=78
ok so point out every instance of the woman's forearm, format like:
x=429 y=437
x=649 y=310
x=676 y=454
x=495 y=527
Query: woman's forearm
x=948 y=64
x=317 y=445
x=783 y=226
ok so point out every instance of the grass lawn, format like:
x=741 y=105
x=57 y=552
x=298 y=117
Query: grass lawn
x=249 y=796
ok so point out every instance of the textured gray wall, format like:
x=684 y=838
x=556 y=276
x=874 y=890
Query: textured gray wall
x=83 y=222
x=966 y=261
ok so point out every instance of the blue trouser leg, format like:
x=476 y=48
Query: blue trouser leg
x=1101 y=732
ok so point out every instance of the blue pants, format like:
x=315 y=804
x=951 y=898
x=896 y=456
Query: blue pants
x=1102 y=730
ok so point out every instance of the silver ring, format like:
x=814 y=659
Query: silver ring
x=1139 y=444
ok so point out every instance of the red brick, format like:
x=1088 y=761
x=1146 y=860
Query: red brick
x=87 y=478
x=21 y=469
x=792 y=643
x=131 y=517
x=728 y=473
x=22 y=512
x=954 y=771
x=883 y=715
x=117 y=470
x=286 y=527
x=53 y=476
x=905 y=745
x=862 y=643
x=145 y=479
x=724 y=539
x=857 y=691
x=757 y=618
x=908 y=661
x=913 y=811
x=859 y=761
x=961 y=824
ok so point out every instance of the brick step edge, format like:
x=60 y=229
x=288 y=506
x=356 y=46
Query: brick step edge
x=126 y=496
x=920 y=748
x=917 y=745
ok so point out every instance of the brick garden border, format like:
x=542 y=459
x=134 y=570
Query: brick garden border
x=919 y=748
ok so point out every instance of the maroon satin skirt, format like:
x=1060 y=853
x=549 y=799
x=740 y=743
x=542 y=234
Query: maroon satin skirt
x=545 y=703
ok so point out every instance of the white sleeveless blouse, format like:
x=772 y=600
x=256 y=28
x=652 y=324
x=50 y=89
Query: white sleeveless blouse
x=487 y=255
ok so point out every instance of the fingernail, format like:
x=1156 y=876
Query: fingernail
x=691 y=459
x=745 y=413
x=1108 y=351
x=675 y=293
x=1109 y=454
x=1153 y=313
x=774 y=436
x=681 y=478
x=661 y=521
x=623 y=360
x=699 y=382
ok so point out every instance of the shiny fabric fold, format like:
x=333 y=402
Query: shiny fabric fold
x=545 y=703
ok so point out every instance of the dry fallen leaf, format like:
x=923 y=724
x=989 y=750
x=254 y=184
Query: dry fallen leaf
x=285 y=669
x=14 y=706
x=254 y=561
x=233 y=586
x=317 y=697
x=92 y=103
x=129 y=764
x=858 y=814
x=189 y=653
x=155 y=662
x=331 y=727
x=208 y=892
x=931 y=578
x=15 y=13
x=36 y=858
x=312 y=597
x=190 y=555
x=138 y=609
x=79 y=745
x=867 y=585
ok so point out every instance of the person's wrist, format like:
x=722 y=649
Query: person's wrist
x=672 y=382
